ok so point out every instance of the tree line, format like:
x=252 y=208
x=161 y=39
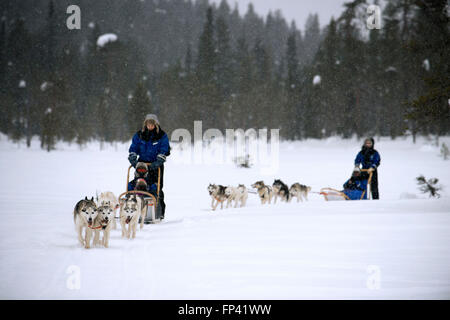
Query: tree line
x=205 y=62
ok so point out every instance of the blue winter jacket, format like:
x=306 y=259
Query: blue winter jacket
x=370 y=160
x=148 y=151
x=354 y=189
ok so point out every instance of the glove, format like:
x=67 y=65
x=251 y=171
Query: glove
x=133 y=159
x=160 y=159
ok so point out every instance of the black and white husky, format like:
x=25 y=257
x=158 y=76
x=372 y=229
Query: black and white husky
x=217 y=193
x=265 y=192
x=84 y=216
x=280 y=189
x=300 y=191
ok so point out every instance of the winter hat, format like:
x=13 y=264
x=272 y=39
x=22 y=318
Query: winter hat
x=141 y=170
x=151 y=116
x=371 y=140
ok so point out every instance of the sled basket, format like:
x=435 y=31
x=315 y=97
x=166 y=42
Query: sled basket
x=151 y=203
x=331 y=194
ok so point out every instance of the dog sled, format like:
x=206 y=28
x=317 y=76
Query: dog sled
x=150 y=201
x=331 y=194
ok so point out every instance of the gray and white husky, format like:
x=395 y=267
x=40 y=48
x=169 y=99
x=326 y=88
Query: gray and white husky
x=217 y=193
x=113 y=202
x=130 y=211
x=265 y=192
x=300 y=191
x=103 y=222
x=239 y=194
x=84 y=216
x=280 y=189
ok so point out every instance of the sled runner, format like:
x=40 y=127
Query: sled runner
x=331 y=194
x=151 y=201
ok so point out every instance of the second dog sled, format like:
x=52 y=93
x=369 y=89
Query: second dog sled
x=151 y=201
x=331 y=194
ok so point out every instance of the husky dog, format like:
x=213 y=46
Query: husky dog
x=113 y=202
x=130 y=211
x=265 y=192
x=239 y=194
x=281 y=190
x=84 y=215
x=299 y=190
x=231 y=194
x=103 y=222
x=242 y=195
x=217 y=193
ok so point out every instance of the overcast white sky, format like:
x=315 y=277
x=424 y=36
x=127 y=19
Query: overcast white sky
x=297 y=10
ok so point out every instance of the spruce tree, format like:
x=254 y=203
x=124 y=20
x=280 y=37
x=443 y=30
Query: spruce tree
x=293 y=111
x=139 y=106
x=206 y=51
x=431 y=108
x=224 y=58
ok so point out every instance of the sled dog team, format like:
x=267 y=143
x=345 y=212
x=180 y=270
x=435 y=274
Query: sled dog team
x=219 y=194
x=99 y=217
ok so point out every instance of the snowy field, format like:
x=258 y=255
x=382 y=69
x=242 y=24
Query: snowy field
x=395 y=248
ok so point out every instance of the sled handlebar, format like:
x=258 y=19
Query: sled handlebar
x=369 y=182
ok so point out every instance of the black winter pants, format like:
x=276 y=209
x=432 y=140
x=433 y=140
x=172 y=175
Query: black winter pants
x=374 y=186
x=153 y=178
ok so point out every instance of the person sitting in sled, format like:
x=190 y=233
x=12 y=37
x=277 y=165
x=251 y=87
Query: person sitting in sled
x=140 y=181
x=370 y=159
x=151 y=145
x=356 y=187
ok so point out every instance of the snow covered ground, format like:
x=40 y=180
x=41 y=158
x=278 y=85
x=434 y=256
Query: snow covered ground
x=398 y=247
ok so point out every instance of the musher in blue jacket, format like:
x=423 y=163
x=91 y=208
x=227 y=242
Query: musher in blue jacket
x=370 y=159
x=151 y=145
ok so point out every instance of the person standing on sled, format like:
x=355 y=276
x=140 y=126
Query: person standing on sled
x=370 y=159
x=151 y=145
